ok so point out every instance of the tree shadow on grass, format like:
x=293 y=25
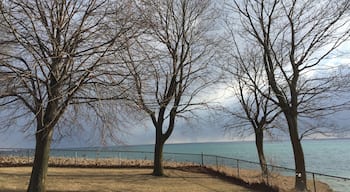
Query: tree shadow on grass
x=234 y=180
x=198 y=183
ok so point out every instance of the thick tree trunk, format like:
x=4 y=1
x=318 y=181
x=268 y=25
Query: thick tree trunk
x=259 y=142
x=41 y=159
x=45 y=125
x=300 y=172
x=158 y=169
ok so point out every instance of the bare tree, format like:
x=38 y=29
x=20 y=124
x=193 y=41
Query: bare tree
x=169 y=64
x=295 y=37
x=256 y=111
x=57 y=63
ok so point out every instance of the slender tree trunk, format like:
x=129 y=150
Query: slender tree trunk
x=158 y=153
x=41 y=159
x=300 y=172
x=259 y=142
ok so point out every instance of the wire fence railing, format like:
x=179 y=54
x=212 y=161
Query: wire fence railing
x=243 y=169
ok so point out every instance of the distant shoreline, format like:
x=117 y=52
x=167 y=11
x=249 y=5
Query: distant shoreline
x=204 y=142
x=182 y=143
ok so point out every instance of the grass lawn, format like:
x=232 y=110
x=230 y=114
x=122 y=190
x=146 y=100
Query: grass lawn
x=15 y=179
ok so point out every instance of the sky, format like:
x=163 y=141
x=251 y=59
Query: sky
x=134 y=136
x=208 y=127
x=183 y=133
x=205 y=128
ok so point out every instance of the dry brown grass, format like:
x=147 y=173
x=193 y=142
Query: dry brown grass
x=283 y=183
x=15 y=179
x=113 y=176
x=86 y=162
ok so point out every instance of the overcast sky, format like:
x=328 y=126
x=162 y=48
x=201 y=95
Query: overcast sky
x=207 y=128
x=135 y=136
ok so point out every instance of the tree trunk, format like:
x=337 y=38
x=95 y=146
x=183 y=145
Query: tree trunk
x=158 y=154
x=300 y=172
x=41 y=159
x=259 y=138
x=158 y=151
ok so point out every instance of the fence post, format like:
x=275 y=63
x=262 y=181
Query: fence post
x=202 y=160
x=28 y=155
x=267 y=176
x=97 y=155
x=313 y=178
x=76 y=158
x=119 y=160
x=237 y=167
x=217 y=163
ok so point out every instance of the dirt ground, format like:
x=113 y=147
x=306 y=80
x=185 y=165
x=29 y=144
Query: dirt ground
x=92 y=175
x=15 y=179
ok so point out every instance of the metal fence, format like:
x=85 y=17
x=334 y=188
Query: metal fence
x=246 y=170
